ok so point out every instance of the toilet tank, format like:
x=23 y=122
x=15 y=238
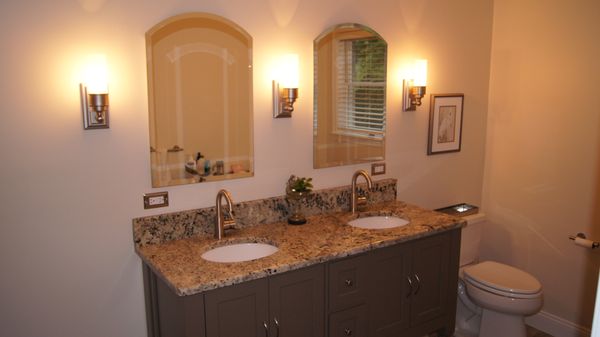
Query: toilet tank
x=471 y=238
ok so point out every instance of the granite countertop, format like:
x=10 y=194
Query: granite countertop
x=323 y=238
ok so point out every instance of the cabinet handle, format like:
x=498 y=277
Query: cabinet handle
x=410 y=284
x=266 y=329
x=347 y=332
x=276 y=326
x=349 y=283
x=418 y=284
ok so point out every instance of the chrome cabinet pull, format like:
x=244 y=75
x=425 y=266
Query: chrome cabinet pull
x=347 y=332
x=266 y=329
x=410 y=284
x=276 y=326
x=348 y=283
x=418 y=284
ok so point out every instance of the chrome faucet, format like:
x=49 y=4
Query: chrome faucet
x=221 y=222
x=357 y=201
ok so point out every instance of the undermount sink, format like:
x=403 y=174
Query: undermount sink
x=378 y=222
x=239 y=252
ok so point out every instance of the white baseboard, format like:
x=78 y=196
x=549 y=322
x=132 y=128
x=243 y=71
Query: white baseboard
x=556 y=326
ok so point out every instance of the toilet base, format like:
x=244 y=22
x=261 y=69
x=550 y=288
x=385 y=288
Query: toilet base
x=497 y=324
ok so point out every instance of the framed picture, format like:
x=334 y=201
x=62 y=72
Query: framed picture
x=445 y=123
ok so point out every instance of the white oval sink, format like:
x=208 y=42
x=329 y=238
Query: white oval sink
x=378 y=222
x=239 y=252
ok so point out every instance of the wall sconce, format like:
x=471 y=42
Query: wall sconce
x=94 y=94
x=285 y=91
x=414 y=89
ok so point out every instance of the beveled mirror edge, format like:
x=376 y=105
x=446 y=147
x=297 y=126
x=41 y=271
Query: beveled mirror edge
x=346 y=25
x=149 y=72
x=315 y=89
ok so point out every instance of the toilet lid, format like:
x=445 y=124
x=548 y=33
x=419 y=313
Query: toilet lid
x=504 y=278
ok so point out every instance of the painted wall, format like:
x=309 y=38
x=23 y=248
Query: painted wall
x=68 y=196
x=542 y=180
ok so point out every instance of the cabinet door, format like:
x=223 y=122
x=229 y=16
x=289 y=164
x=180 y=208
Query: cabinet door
x=237 y=311
x=430 y=273
x=389 y=291
x=170 y=315
x=297 y=303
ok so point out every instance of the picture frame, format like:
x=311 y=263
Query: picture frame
x=445 y=123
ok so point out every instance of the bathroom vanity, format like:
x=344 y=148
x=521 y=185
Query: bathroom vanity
x=327 y=278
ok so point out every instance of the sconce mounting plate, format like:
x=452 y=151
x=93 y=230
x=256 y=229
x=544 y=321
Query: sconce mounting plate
x=411 y=95
x=94 y=108
x=283 y=101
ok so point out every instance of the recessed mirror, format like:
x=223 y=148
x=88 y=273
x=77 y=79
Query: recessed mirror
x=200 y=100
x=350 y=96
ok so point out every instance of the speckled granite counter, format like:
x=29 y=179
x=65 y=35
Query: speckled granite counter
x=325 y=237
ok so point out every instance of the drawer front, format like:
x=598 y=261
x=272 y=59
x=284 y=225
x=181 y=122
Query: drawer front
x=349 y=323
x=348 y=283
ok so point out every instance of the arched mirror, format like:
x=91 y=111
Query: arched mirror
x=350 y=96
x=200 y=100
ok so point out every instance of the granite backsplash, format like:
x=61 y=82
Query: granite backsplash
x=185 y=224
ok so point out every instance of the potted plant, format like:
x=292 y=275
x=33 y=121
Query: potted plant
x=297 y=188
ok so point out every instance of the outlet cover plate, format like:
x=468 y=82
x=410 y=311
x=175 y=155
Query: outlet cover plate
x=377 y=168
x=155 y=200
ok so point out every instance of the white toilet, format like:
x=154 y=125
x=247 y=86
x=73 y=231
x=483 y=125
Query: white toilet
x=493 y=298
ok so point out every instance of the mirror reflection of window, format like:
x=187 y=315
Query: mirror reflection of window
x=360 y=65
x=350 y=96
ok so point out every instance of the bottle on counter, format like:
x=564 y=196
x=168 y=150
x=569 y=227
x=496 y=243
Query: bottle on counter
x=200 y=163
x=207 y=167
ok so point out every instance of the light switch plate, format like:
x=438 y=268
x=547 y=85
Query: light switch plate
x=155 y=200
x=377 y=168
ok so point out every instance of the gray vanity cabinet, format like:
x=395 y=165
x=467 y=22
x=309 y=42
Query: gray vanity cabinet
x=240 y=310
x=297 y=303
x=430 y=273
x=287 y=305
x=434 y=268
x=401 y=290
x=291 y=304
x=169 y=315
x=389 y=291
x=407 y=289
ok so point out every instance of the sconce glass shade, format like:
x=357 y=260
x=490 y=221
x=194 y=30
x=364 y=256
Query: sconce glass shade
x=289 y=71
x=94 y=93
x=285 y=91
x=420 y=73
x=414 y=89
x=95 y=75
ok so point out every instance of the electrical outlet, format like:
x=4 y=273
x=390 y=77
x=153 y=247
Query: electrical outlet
x=377 y=168
x=155 y=200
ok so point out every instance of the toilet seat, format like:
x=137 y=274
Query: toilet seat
x=503 y=280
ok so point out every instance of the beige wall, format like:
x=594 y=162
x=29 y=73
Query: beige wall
x=68 y=196
x=542 y=180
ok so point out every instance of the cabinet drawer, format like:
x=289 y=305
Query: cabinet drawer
x=348 y=283
x=349 y=323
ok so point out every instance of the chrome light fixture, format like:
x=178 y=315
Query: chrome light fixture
x=94 y=94
x=285 y=91
x=413 y=90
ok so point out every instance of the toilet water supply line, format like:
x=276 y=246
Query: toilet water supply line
x=581 y=240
